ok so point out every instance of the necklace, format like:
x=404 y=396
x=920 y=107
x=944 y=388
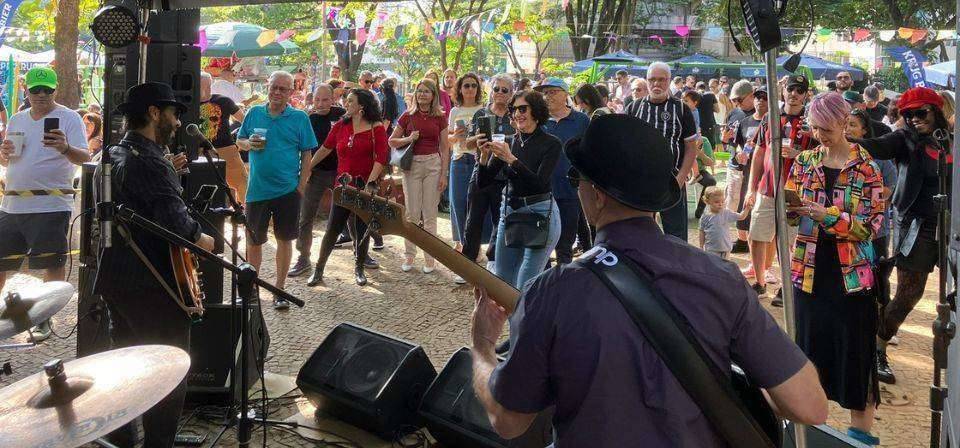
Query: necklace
x=521 y=139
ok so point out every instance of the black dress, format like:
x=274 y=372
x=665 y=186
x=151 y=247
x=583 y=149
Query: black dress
x=836 y=330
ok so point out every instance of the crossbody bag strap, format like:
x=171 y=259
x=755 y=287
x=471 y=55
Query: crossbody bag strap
x=153 y=270
x=669 y=334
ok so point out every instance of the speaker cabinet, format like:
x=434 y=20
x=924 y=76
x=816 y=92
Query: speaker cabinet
x=455 y=417
x=821 y=436
x=179 y=27
x=179 y=66
x=215 y=354
x=204 y=173
x=367 y=379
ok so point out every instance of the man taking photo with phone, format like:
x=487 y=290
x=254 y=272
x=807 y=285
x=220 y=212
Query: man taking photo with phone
x=43 y=146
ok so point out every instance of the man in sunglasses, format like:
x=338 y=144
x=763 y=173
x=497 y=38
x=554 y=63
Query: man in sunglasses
x=844 y=82
x=741 y=94
x=34 y=226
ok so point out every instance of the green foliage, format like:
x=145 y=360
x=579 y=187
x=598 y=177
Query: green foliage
x=552 y=67
x=37 y=16
x=892 y=78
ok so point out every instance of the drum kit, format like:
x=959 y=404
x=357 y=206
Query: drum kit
x=72 y=403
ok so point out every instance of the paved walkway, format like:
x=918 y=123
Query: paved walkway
x=431 y=310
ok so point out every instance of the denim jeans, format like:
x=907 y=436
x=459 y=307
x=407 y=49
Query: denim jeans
x=460 y=171
x=570 y=212
x=516 y=266
x=675 y=218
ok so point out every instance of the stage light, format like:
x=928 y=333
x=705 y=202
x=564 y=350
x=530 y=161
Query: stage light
x=115 y=26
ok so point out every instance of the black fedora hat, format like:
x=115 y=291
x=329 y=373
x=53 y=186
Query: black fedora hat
x=142 y=96
x=629 y=160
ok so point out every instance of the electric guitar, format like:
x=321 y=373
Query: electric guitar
x=186 y=266
x=388 y=218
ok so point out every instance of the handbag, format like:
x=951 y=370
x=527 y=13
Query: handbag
x=402 y=157
x=526 y=230
x=735 y=407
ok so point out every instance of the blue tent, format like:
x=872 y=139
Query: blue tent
x=611 y=62
x=696 y=57
x=942 y=74
x=681 y=69
x=821 y=68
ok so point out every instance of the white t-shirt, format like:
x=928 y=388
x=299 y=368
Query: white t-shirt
x=461 y=113
x=39 y=167
x=228 y=89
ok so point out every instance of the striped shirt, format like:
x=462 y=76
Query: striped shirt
x=672 y=118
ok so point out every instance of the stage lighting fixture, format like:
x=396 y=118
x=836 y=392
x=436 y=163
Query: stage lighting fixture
x=115 y=26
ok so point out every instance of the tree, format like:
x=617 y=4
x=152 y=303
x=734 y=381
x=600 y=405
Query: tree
x=65 y=57
x=596 y=18
x=537 y=29
x=445 y=10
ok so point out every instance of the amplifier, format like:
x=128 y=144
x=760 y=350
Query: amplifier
x=215 y=354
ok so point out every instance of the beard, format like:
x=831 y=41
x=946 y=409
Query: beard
x=165 y=132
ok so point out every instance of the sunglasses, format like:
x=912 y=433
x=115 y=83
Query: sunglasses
x=368 y=81
x=915 y=113
x=523 y=108
x=36 y=90
x=501 y=90
x=574 y=177
x=797 y=89
x=470 y=86
x=760 y=96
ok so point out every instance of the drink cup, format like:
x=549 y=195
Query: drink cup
x=18 y=140
x=500 y=138
x=258 y=140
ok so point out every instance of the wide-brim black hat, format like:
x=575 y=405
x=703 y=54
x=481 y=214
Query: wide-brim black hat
x=142 y=96
x=629 y=160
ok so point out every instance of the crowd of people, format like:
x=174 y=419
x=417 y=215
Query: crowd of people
x=498 y=151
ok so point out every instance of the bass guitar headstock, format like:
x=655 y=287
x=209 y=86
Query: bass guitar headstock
x=380 y=213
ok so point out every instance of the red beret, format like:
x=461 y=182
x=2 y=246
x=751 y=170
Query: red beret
x=918 y=96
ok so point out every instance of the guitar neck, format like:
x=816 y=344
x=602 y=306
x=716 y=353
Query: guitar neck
x=500 y=291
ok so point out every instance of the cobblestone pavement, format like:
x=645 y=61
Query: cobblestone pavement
x=431 y=310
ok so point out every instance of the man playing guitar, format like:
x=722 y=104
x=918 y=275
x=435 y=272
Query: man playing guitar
x=136 y=276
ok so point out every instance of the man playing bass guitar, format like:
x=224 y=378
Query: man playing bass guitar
x=136 y=276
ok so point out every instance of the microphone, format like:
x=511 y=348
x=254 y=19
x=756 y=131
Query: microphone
x=194 y=131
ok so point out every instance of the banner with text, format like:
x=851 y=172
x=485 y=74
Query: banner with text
x=912 y=63
x=8 y=8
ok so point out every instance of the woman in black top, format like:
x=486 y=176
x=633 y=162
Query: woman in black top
x=914 y=148
x=527 y=163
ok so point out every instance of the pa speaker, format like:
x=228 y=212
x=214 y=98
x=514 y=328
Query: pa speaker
x=367 y=379
x=821 y=436
x=214 y=375
x=455 y=417
x=179 y=66
x=179 y=27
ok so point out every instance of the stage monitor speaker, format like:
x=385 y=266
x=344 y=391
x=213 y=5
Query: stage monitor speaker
x=203 y=173
x=367 y=379
x=180 y=27
x=215 y=354
x=456 y=418
x=179 y=66
x=821 y=436
x=93 y=323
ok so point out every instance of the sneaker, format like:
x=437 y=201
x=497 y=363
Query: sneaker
x=740 y=247
x=342 y=239
x=459 y=280
x=748 y=271
x=301 y=267
x=378 y=245
x=771 y=276
x=41 y=332
x=491 y=266
x=406 y=267
x=863 y=436
x=280 y=304
x=894 y=341
x=884 y=372
x=371 y=263
x=428 y=269
x=778 y=299
x=760 y=289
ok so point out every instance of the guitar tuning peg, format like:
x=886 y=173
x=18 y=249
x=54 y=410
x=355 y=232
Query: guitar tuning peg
x=344 y=179
x=388 y=193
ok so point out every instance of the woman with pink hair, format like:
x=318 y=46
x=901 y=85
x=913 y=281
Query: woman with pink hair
x=836 y=312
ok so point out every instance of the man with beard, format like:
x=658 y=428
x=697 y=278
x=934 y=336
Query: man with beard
x=136 y=276
x=844 y=82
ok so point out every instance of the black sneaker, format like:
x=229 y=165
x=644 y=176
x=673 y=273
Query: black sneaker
x=740 y=247
x=342 y=239
x=280 y=304
x=760 y=289
x=370 y=263
x=301 y=267
x=378 y=245
x=778 y=299
x=884 y=372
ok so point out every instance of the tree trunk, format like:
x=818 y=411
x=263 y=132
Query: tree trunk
x=65 y=55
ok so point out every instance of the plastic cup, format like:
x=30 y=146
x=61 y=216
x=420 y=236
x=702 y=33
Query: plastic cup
x=258 y=140
x=499 y=138
x=18 y=139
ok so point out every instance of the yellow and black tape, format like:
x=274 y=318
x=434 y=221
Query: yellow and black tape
x=31 y=193
x=40 y=255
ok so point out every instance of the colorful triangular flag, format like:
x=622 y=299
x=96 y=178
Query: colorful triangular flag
x=266 y=37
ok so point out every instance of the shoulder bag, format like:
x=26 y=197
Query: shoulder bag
x=736 y=409
x=402 y=157
x=526 y=230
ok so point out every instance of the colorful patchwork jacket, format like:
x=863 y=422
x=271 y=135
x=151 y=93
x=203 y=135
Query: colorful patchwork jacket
x=854 y=214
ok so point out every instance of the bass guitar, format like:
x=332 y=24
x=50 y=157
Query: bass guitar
x=186 y=267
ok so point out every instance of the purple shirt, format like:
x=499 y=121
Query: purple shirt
x=574 y=346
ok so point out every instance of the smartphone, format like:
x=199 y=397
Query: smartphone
x=486 y=125
x=50 y=124
x=201 y=202
x=792 y=198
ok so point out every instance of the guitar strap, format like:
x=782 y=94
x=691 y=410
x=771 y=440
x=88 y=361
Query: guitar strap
x=191 y=311
x=669 y=334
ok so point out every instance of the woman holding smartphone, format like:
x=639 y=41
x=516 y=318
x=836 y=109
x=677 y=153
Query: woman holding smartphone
x=469 y=97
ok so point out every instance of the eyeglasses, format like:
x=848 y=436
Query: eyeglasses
x=574 y=177
x=915 y=113
x=36 y=90
x=280 y=89
x=501 y=90
x=658 y=80
x=523 y=108
x=470 y=86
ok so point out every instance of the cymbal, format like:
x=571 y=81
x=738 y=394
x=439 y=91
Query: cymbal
x=36 y=303
x=72 y=403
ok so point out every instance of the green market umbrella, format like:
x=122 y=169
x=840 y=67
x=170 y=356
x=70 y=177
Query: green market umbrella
x=228 y=39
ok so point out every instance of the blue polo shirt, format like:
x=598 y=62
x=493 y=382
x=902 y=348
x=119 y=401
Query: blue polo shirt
x=275 y=169
x=573 y=125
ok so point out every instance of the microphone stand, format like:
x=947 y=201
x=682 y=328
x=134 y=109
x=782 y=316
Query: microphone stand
x=246 y=280
x=943 y=328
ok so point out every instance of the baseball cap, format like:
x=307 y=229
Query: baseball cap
x=798 y=81
x=41 y=76
x=871 y=93
x=853 y=97
x=552 y=82
x=741 y=89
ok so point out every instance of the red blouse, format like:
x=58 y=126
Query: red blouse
x=356 y=153
x=430 y=128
